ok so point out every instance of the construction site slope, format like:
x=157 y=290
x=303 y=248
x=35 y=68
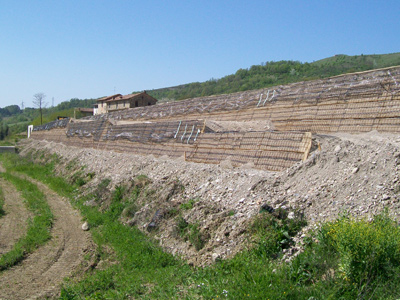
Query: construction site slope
x=269 y=129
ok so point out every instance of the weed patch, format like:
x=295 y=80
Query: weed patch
x=368 y=252
x=188 y=205
x=191 y=232
x=274 y=232
x=2 y=212
x=141 y=181
x=102 y=191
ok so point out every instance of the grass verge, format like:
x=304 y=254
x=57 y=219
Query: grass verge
x=2 y=212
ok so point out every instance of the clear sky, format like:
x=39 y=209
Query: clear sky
x=88 y=49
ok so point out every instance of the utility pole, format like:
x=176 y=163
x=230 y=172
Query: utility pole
x=52 y=102
x=22 y=105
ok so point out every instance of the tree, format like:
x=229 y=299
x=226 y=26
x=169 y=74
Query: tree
x=13 y=110
x=1 y=131
x=38 y=101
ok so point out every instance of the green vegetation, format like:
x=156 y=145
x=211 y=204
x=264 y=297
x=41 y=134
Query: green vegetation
x=188 y=205
x=367 y=253
x=191 y=232
x=38 y=231
x=2 y=212
x=276 y=73
x=344 y=259
x=130 y=197
x=274 y=232
x=14 y=120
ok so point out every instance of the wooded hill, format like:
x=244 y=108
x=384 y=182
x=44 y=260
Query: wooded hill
x=277 y=73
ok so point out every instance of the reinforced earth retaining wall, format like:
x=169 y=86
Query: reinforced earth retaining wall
x=357 y=102
x=192 y=139
x=353 y=103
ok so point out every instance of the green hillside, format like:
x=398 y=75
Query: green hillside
x=277 y=73
x=370 y=61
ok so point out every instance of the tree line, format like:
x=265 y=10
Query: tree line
x=14 y=120
x=273 y=73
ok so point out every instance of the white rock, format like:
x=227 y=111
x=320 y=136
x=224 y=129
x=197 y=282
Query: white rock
x=85 y=226
x=337 y=149
x=215 y=256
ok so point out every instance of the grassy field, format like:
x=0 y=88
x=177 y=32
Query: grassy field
x=344 y=259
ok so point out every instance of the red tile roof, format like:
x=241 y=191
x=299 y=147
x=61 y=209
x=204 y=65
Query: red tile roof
x=119 y=97
x=124 y=97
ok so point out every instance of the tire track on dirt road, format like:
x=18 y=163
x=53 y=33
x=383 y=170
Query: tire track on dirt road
x=13 y=224
x=40 y=274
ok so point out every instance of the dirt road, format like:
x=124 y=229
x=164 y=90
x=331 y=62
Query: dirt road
x=41 y=273
x=13 y=223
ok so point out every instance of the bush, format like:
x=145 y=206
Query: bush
x=192 y=233
x=273 y=232
x=368 y=251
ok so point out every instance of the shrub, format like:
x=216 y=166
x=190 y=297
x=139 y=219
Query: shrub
x=102 y=191
x=181 y=225
x=78 y=179
x=367 y=250
x=192 y=233
x=273 y=232
x=130 y=210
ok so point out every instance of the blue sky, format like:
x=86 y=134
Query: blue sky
x=88 y=49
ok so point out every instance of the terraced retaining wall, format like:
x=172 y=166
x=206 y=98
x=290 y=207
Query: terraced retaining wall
x=358 y=102
x=353 y=103
x=192 y=139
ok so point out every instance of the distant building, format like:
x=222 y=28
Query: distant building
x=119 y=102
x=86 y=112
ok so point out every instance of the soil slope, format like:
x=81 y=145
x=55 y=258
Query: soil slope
x=358 y=174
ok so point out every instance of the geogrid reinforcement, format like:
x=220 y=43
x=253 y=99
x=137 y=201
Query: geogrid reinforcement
x=355 y=102
x=358 y=102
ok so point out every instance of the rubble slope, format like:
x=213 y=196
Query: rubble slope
x=358 y=174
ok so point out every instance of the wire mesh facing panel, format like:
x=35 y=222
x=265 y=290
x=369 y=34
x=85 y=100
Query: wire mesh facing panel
x=364 y=85
x=273 y=151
